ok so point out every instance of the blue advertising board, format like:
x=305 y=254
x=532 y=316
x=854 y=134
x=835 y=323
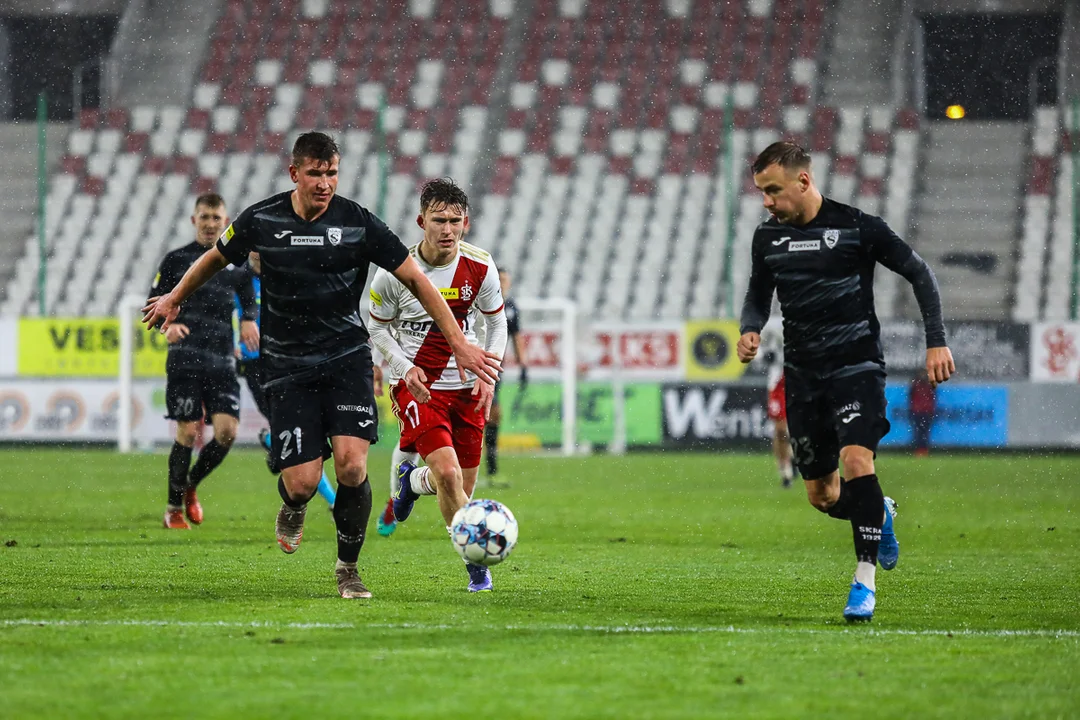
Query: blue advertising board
x=967 y=416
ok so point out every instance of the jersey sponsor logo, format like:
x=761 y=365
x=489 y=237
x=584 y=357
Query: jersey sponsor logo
x=782 y=240
x=804 y=245
x=306 y=240
x=466 y=292
x=449 y=293
x=375 y=297
x=227 y=235
x=334 y=235
x=831 y=238
x=365 y=423
x=366 y=409
x=850 y=417
x=283 y=234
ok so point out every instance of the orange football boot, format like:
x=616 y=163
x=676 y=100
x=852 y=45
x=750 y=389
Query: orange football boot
x=174 y=520
x=192 y=508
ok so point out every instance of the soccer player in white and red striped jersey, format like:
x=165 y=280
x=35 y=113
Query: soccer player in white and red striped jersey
x=441 y=409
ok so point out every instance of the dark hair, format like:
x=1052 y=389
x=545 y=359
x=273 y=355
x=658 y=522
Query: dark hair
x=210 y=200
x=314 y=146
x=784 y=153
x=443 y=192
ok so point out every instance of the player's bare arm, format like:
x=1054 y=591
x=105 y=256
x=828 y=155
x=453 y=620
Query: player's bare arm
x=164 y=309
x=485 y=365
x=747 y=346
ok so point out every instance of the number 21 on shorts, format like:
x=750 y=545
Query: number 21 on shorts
x=286 y=436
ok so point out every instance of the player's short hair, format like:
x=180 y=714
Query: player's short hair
x=443 y=192
x=784 y=153
x=314 y=146
x=211 y=200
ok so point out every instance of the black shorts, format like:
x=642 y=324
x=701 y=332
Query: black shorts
x=188 y=392
x=826 y=415
x=335 y=398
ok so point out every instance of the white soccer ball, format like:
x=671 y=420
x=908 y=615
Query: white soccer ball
x=484 y=532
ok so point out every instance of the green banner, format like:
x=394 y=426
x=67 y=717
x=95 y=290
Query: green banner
x=538 y=411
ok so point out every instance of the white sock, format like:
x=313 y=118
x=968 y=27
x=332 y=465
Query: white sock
x=420 y=481
x=864 y=573
x=786 y=473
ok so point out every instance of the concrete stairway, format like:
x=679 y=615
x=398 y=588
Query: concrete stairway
x=967 y=214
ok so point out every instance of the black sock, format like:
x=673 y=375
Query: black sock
x=841 y=510
x=209 y=458
x=295 y=504
x=867 y=513
x=491 y=442
x=352 y=510
x=179 y=462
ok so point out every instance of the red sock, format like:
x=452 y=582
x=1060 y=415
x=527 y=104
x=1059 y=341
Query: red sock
x=388 y=512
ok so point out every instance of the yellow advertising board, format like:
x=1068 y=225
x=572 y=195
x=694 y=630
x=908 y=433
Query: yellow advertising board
x=85 y=347
x=710 y=350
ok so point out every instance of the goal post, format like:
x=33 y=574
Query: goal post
x=129 y=305
x=567 y=327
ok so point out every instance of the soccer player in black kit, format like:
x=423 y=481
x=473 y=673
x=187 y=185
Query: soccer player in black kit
x=201 y=367
x=819 y=256
x=315 y=249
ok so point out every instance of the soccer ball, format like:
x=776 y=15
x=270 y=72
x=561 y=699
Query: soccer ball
x=484 y=532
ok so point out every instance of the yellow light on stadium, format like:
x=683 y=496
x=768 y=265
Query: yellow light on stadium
x=954 y=112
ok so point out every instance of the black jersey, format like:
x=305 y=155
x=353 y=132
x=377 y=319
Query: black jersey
x=313 y=277
x=208 y=313
x=513 y=324
x=823 y=273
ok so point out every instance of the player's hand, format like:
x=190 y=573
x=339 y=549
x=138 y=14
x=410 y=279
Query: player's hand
x=484 y=394
x=747 y=346
x=523 y=380
x=481 y=363
x=377 y=380
x=414 y=380
x=249 y=335
x=939 y=365
x=176 y=333
x=161 y=309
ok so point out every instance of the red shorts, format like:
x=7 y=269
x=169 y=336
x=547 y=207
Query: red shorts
x=448 y=419
x=777 y=402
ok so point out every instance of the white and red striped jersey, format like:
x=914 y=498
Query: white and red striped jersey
x=772 y=350
x=470 y=285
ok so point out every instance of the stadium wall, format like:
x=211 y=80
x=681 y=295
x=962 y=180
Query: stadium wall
x=1018 y=386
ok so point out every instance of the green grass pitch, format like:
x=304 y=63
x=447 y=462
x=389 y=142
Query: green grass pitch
x=656 y=585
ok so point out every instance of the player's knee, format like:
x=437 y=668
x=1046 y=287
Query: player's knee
x=351 y=470
x=226 y=434
x=185 y=433
x=447 y=473
x=857 y=461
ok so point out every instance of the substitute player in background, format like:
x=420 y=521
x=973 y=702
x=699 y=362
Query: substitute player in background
x=441 y=413
x=819 y=256
x=772 y=346
x=250 y=368
x=315 y=249
x=491 y=430
x=200 y=371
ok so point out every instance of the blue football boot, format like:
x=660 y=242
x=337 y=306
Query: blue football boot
x=888 y=549
x=479 y=578
x=405 y=498
x=860 y=603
